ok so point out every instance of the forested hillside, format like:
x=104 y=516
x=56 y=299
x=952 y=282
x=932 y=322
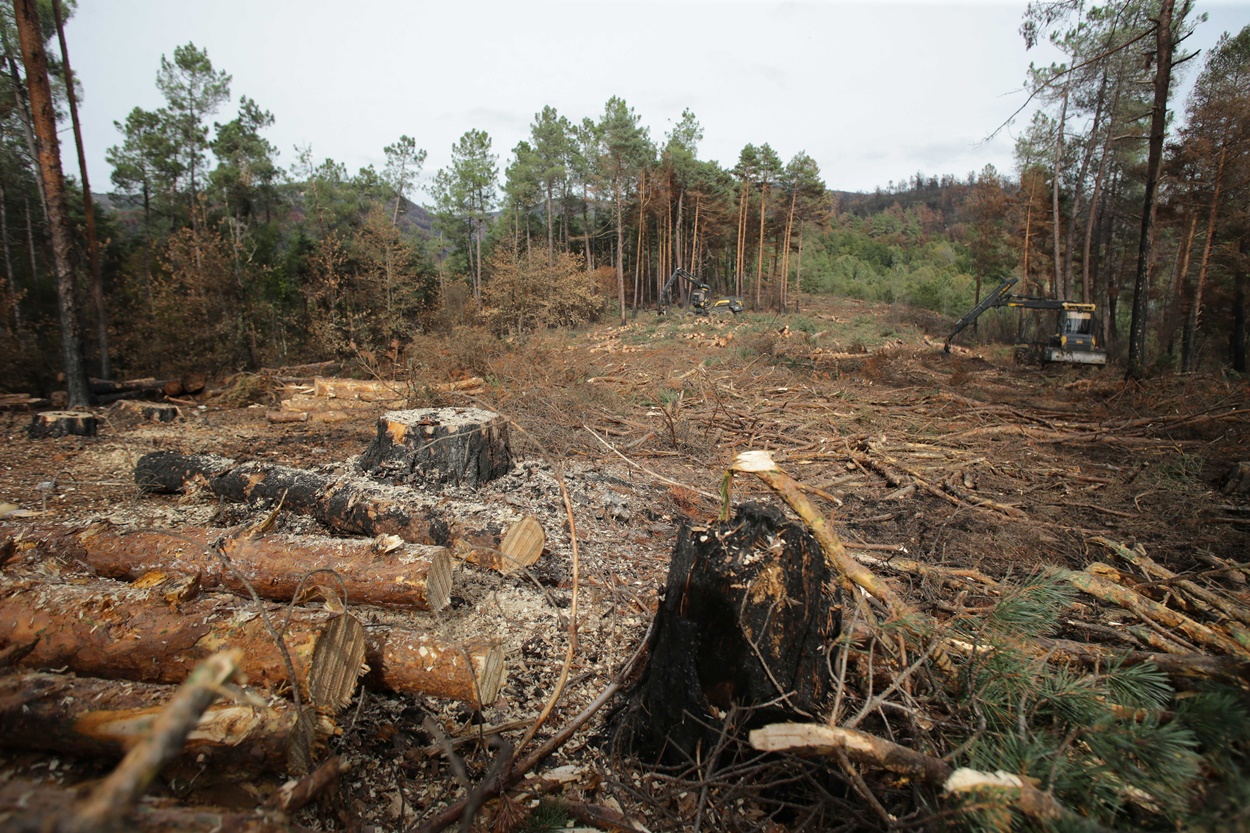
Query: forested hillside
x=218 y=253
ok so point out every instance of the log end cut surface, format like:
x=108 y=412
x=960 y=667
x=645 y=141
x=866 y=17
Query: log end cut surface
x=461 y=446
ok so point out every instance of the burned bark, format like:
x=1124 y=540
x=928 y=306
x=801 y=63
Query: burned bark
x=62 y=424
x=747 y=620
x=460 y=446
x=382 y=571
x=341 y=503
x=129 y=412
x=107 y=629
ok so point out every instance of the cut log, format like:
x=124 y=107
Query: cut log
x=193 y=383
x=21 y=402
x=461 y=446
x=103 y=628
x=360 y=390
x=31 y=807
x=341 y=503
x=62 y=424
x=747 y=619
x=305 y=404
x=104 y=718
x=385 y=571
x=129 y=412
x=115 y=796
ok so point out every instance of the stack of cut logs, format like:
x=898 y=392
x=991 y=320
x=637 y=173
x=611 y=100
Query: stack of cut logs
x=339 y=400
x=131 y=613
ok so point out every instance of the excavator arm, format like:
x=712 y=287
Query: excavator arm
x=1076 y=341
x=999 y=297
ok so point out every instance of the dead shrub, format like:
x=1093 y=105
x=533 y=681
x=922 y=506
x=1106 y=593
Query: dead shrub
x=472 y=350
x=528 y=293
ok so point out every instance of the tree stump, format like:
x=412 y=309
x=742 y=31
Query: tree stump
x=461 y=446
x=748 y=617
x=1238 y=482
x=62 y=423
x=128 y=412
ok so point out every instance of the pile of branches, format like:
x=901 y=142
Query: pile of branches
x=959 y=703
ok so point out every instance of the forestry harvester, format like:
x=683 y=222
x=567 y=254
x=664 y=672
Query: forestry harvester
x=1077 y=340
x=700 y=299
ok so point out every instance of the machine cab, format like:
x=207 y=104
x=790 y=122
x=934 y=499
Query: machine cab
x=1076 y=330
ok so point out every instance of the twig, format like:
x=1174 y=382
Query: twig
x=646 y=470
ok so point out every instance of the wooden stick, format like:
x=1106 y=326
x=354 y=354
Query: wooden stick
x=113 y=798
x=1087 y=581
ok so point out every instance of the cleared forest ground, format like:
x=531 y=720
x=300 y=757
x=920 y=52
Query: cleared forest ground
x=962 y=460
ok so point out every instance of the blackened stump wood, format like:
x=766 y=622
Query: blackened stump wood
x=748 y=617
x=461 y=446
x=62 y=423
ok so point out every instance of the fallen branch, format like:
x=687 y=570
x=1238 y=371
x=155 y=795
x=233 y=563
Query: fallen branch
x=113 y=798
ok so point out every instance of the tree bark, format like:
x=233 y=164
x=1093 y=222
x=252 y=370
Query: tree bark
x=104 y=628
x=1061 y=291
x=1239 y=305
x=94 y=718
x=415 y=576
x=342 y=503
x=1164 y=44
x=93 y=247
x=44 y=114
x=460 y=446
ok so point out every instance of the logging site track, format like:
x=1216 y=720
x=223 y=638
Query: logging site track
x=964 y=460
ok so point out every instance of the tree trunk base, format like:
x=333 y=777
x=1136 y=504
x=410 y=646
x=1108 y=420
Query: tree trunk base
x=62 y=424
x=747 y=620
x=460 y=446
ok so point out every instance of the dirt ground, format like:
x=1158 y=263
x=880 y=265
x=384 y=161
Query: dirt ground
x=961 y=459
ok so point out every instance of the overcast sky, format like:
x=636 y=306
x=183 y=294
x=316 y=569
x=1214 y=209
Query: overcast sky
x=874 y=90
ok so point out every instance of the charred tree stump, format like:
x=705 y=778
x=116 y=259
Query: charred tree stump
x=62 y=424
x=747 y=620
x=385 y=572
x=461 y=446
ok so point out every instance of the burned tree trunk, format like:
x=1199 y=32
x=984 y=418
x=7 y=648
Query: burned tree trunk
x=104 y=718
x=342 y=503
x=460 y=446
x=103 y=628
x=372 y=572
x=747 y=620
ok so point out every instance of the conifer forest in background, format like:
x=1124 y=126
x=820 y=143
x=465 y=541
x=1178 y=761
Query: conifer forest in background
x=209 y=250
